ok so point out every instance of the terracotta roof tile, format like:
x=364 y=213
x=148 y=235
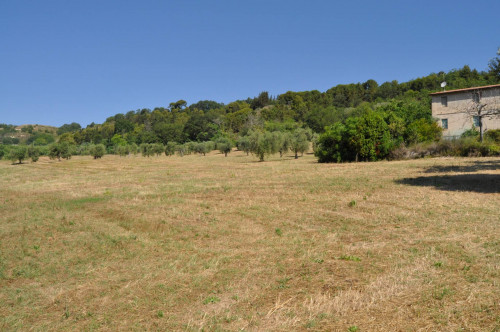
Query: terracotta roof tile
x=466 y=89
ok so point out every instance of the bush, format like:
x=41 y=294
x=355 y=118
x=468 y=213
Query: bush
x=367 y=137
x=473 y=132
x=330 y=146
x=464 y=147
x=493 y=135
x=423 y=130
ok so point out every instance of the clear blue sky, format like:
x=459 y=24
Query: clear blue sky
x=82 y=61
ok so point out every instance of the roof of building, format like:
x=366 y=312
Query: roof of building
x=467 y=89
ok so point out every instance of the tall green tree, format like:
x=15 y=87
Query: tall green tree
x=494 y=66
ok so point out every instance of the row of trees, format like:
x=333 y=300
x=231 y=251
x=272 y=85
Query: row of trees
x=260 y=143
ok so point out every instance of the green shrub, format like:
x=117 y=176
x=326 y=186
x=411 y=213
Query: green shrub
x=493 y=135
x=473 y=132
x=365 y=138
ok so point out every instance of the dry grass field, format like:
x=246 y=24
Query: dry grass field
x=214 y=243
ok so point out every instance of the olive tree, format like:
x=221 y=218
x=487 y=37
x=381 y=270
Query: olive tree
x=60 y=150
x=262 y=144
x=243 y=144
x=97 y=151
x=170 y=148
x=34 y=153
x=18 y=153
x=224 y=145
x=299 y=142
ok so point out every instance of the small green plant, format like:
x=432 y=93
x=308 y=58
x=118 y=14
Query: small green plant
x=211 y=299
x=66 y=313
x=438 y=264
x=350 y=258
x=283 y=283
x=310 y=324
x=352 y=203
x=159 y=314
x=441 y=293
x=353 y=328
x=278 y=232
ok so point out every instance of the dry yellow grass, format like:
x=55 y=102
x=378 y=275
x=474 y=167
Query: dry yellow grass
x=218 y=243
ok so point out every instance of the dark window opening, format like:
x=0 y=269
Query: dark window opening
x=476 y=97
x=444 y=101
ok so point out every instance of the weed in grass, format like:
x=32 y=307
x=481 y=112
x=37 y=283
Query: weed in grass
x=278 y=232
x=211 y=299
x=159 y=314
x=353 y=328
x=283 y=283
x=310 y=324
x=438 y=264
x=350 y=258
x=440 y=294
x=352 y=203
x=66 y=313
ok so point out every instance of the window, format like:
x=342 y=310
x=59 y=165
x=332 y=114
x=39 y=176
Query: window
x=476 y=97
x=475 y=119
x=444 y=123
x=444 y=101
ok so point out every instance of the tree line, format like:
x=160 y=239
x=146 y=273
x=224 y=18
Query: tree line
x=364 y=121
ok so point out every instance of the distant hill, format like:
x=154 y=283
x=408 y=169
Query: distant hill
x=38 y=128
x=26 y=133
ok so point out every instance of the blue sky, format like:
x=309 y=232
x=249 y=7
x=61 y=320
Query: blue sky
x=83 y=61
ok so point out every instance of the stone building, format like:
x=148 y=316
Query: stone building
x=463 y=109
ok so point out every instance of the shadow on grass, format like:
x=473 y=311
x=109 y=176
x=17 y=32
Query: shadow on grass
x=481 y=183
x=470 y=168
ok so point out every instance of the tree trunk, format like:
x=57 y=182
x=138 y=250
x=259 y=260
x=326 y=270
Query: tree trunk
x=480 y=129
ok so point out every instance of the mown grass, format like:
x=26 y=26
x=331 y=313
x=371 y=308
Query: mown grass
x=219 y=243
